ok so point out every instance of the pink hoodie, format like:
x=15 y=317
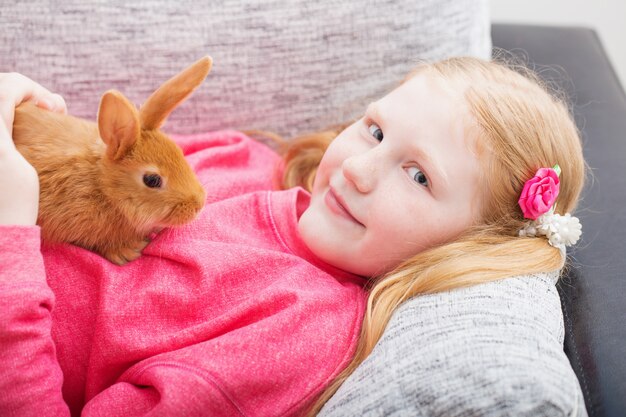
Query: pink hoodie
x=230 y=315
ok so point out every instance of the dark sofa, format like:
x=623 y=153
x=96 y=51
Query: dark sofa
x=593 y=291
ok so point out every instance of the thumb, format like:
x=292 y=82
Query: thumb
x=52 y=102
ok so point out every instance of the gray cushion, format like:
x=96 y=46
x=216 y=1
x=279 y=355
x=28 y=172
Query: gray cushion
x=494 y=349
x=286 y=66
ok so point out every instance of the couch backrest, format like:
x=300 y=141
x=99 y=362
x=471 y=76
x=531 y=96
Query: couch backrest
x=285 y=66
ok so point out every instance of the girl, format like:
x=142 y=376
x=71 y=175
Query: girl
x=256 y=307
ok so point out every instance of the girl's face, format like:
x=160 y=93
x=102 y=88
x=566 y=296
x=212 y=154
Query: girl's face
x=403 y=178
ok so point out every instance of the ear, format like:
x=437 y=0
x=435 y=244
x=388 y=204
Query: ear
x=167 y=97
x=118 y=124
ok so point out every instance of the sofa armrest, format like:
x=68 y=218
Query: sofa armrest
x=593 y=290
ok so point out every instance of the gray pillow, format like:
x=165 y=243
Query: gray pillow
x=493 y=349
x=286 y=66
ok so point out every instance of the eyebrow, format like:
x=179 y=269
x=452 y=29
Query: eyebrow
x=425 y=161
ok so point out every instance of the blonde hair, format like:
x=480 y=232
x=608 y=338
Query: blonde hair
x=522 y=127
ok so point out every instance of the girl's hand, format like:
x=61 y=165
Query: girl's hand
x=16 y=88
x=19 y=184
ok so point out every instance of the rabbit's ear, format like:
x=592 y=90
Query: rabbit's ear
x=165 y=99
x=118 y=124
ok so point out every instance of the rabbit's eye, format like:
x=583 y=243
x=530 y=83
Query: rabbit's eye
x=152 y=180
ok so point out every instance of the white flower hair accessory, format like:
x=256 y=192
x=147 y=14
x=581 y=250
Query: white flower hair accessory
x=561 y=230
x=537 y=202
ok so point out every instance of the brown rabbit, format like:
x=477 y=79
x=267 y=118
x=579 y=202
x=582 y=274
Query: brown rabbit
x=107 y=186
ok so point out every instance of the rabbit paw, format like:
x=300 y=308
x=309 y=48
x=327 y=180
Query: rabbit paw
x=125 y=254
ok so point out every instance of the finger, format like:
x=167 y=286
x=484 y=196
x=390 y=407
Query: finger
x=5 y=138
x=60 y=106
x=53 y=102
x=17 y=88
x=6 y=115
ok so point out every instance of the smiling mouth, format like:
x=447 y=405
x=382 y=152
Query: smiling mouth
x=338 y=207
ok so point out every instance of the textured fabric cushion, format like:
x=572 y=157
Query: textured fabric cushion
x=493 y=349
x=286 y=66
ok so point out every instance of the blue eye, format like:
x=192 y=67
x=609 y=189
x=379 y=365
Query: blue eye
x=418 y=176
x=376 y=132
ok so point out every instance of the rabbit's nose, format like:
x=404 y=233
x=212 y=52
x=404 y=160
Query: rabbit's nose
x=185 y=211
x=198 y=202
x=199 y=199
x=193 y=204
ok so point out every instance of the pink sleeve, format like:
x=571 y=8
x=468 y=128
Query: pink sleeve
x=30 y=376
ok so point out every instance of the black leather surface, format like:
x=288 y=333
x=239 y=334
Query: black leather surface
x=594 y=290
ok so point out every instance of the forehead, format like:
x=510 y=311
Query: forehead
x=429 y=94
x=432 y=109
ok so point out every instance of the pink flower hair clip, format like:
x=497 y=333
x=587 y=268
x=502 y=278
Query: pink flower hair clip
x=537 y=202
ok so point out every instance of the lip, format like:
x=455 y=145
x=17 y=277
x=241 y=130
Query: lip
x=337 y=205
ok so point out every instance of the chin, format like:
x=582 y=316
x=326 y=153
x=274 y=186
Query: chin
x=346 y=263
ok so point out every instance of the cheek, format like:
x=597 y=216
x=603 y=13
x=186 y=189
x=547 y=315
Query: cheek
x=330 y=160
x=342 y=147
x=396 y=228
x=321 y=178
x=408 y=227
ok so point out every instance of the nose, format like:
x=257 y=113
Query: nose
x=360 y=170
x=198 y=198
